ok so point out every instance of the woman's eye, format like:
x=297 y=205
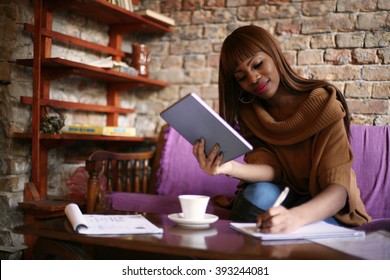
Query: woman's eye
x=240 y=79
x=258 y=65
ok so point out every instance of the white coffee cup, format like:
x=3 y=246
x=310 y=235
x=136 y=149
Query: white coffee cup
x=193 y=206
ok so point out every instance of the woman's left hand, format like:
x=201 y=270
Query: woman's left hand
x=210 y=164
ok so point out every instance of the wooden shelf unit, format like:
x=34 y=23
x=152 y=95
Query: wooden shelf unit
x=47 y=68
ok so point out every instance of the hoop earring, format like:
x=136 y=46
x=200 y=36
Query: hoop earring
x=246 y=98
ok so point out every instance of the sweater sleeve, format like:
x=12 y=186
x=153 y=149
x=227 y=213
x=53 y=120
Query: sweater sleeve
x=333 y=156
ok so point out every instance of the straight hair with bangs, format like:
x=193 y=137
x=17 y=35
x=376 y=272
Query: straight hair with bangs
x=245 y=42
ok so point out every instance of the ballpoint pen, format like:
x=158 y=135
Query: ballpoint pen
x=278 y=201
x=281 y=197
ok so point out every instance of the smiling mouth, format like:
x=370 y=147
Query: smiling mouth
x=262 y=87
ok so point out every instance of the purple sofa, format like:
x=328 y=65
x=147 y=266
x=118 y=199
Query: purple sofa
x=178 y=173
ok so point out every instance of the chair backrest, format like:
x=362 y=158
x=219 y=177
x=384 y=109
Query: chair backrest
x=123 y=172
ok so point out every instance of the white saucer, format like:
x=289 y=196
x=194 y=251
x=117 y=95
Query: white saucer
x=203 y=223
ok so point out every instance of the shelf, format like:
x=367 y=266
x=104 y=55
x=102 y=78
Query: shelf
x=85 y=137
x=46 y=68
x=119 y=18
x=60 y=67
x=75 y=41
x=77 y=106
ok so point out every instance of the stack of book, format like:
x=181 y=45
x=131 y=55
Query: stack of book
x=99 y=130
x=156 y=17
x=125 y=4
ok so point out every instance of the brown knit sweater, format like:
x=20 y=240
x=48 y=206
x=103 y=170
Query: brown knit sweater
x=311 y=148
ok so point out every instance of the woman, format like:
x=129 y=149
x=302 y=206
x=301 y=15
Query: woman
x=299 y=129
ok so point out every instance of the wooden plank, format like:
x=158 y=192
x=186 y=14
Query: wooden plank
x=113 y=15
x=78 y=106
x=76 y=41
x=108 y=75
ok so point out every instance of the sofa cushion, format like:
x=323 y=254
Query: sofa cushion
x=179 y=172
x=371 y=149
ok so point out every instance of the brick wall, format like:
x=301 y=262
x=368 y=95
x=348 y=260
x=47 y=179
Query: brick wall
x=344 y=41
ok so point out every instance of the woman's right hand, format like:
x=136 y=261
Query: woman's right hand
x=211 y=164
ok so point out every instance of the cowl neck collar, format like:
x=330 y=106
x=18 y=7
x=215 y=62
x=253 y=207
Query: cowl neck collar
x=319 y=110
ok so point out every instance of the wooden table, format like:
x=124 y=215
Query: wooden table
x=57 y=239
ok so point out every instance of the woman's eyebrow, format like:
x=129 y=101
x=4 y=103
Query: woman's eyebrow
x=249 y=62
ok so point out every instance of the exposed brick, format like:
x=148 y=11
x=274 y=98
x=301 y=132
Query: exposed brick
x=364 y=56
x=384 y=55
x=359 y=119
x=210 y=92
x=192 y=5
x=198 y=76
x=307 y=57
x=183 y=18
x=318 y=8
x=194 y=61
x=190 y=47
x=295 y=42
x=376 y=72
x=323 y=41
x=167 y=6
x=278 y=1
x=236 y=3
x=13 y=183
x=214 y=3
x=246 y=13
x=223 y=15
x=201 y=17
x=372 y=21
x=381 y=120
x=172 y=61
x=350 y=40
x=288 y=26
x=337 y=57
x=215 y=32
x=5 y=72
x=342 y=22
x=384 y=4
x=191 y=32
x=358 y=89
x=381 y=90
x=356 y=5
x=291 y=57
x=368 y=106
x=213 y=60
x=334 y=73
x=314 y=25
x=378 y=39
x=277 y=11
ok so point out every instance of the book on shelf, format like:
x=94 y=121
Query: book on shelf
x=99 y=130
x=317 y=230
x=156 y=17
x=108 y=224
x=125 y=4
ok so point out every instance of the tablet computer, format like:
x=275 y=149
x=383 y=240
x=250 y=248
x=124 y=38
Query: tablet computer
x=192 y=118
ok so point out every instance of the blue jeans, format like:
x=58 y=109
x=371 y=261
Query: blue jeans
x=256 y=198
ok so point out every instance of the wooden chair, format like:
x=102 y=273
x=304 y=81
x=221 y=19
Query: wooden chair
x=124 y=172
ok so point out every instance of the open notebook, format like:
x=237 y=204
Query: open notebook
x=108 y=224
x=317 y=230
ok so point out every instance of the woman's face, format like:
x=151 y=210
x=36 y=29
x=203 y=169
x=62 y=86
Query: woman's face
x=258 y=75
